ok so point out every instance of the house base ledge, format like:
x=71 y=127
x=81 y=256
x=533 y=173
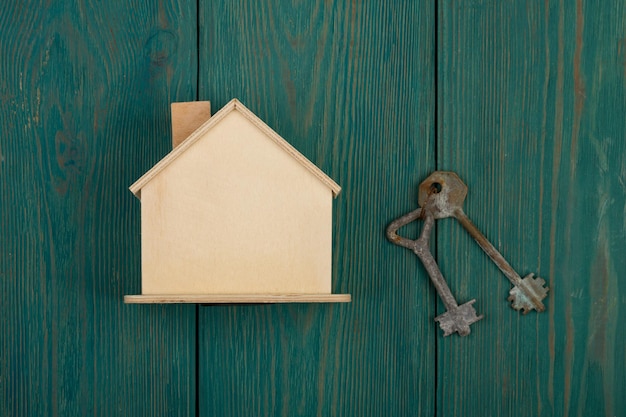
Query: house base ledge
x=236 y=298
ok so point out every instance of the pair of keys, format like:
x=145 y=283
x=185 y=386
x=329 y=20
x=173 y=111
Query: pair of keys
x=440 y=196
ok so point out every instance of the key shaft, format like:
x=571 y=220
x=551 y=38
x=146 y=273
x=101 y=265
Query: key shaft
x=422 y=250
x=486 y=246
x=456 y=319
x=535 y=293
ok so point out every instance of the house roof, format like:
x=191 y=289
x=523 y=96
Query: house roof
x=234 y=105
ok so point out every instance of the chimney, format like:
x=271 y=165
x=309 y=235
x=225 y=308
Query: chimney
x=187 y=117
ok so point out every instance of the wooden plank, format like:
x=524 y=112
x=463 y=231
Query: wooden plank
x=532 y=103
x=238 y=298
x=84 y=105
x=351 y=85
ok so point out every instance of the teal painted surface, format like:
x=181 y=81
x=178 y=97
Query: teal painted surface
x=532 y=104
x=352 y=87
x=84 y=102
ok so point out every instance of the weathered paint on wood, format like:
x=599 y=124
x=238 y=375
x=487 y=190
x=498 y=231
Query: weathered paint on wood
x=531 y=110
x=85 y=89
x=532 y=103
x=352 y=86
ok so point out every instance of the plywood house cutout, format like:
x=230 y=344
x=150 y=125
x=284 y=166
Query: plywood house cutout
x=234 y=214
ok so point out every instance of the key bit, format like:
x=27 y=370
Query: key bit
x=449 y=194
x=456 y=319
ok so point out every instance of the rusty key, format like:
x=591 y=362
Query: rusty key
x=526 y=293
x=456 y=318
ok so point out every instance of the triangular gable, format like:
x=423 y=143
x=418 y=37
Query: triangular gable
x=234 y=104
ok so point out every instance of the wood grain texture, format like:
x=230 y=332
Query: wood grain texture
x=352 y=87
x=532 y=103
x=85 y=89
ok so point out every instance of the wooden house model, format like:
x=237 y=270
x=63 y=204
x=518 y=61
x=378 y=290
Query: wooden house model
x=234 y=214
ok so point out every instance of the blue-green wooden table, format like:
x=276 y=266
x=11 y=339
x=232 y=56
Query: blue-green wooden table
x=526 y=101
